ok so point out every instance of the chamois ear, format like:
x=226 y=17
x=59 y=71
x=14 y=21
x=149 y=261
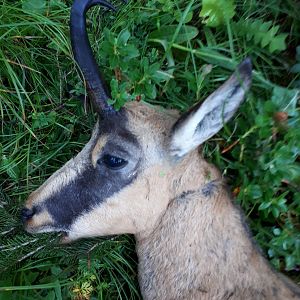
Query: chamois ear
x=206 y=119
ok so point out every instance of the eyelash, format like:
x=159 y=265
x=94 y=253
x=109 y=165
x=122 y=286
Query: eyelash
x=113 y=162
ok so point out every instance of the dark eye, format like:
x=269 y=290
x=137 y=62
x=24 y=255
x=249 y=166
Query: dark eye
x=114 y=162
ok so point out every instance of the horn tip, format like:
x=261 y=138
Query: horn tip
x=245 y=67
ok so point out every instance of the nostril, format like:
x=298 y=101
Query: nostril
x=27 y=213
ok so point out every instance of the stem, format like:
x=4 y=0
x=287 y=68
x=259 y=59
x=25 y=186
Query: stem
x=230 y=40
x=226 y=62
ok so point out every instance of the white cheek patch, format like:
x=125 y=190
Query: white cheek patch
x=109 y=218
x=134 y=209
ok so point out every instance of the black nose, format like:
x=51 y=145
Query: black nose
x=27 y=214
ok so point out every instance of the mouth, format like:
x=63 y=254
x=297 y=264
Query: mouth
x=65 y=238
x=44 y=229
x=63 y=233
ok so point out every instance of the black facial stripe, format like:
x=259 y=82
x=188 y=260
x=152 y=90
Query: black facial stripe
x=90 y=189
x=96 y=184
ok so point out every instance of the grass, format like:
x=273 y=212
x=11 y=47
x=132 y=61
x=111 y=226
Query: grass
x=166 y=55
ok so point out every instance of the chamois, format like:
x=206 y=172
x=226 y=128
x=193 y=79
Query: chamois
x=141 y=173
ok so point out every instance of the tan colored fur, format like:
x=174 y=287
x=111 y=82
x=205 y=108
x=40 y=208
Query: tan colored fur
x=97 y=149
x=125 y=212
x=201 y=249
x=191 y=240
x=39 y=221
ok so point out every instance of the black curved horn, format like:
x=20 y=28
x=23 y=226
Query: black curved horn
x=83 y=54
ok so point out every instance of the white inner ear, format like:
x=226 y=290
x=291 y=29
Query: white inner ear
x=205 y=121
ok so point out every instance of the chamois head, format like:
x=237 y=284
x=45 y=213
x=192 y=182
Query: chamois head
x=121 y=181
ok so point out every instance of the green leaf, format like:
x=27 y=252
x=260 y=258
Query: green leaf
x=275 y=212
x=153 y=68
x=128 y=52
x=55 y=270
x=167 y=33
x=262 y=33
x=298 y=53
x=261 y=120
x=285 y=99
x=150 y=90
x=295 y=68
x=50 y=296
x=276 y=263
x=289 y=262
x=188 y=17
x=123 y=37
x=167 y=5
x=264 y=205
x=278 y=43
x=36 y=6
x=270 y=253
x=294 y=172
x=10 y=167
x=268 y=38
x=57 y=290
x=162 y=76
x=211 y=56
x=254 y=191
x=57 y=3
x=217 y=12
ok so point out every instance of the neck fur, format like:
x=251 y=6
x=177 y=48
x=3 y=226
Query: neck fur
x=201 y=248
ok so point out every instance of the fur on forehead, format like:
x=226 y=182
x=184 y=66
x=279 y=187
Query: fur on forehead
x=139 y=118
x=141 y=124
x=145 y=120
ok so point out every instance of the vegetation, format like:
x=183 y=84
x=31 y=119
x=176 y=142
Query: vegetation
x=166 y=52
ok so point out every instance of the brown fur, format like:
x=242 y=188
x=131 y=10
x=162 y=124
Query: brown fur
x=200 y=249
x=42 y=220
x=97 y=148
x=192 y=242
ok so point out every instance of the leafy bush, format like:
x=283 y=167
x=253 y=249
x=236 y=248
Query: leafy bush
x=166 y=52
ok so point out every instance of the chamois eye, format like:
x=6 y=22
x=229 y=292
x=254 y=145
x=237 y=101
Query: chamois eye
x=114 y=162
